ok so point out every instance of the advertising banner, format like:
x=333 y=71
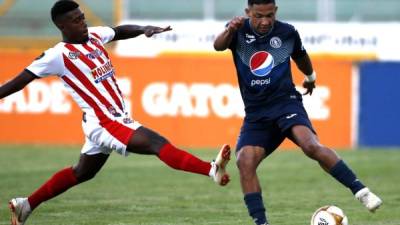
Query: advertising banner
x=346 y=40
x=193 y=100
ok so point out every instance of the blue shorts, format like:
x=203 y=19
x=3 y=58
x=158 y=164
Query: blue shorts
x=269 y=132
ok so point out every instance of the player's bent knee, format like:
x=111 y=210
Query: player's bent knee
x=146 y=141
x=245 y=166
x=312 y=150
x=85 y=175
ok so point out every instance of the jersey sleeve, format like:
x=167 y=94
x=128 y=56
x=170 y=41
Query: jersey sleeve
x=298 y=48
x=105 y=34
x=48 y=63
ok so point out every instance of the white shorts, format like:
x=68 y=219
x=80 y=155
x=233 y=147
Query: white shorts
x=105 y=138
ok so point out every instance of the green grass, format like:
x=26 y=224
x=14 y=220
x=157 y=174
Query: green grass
x=140 y=190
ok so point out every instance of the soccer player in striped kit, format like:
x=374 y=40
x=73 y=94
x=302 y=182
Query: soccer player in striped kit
x=261 y=49
x=82 y=63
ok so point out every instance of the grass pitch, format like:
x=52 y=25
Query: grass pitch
x=141 y=190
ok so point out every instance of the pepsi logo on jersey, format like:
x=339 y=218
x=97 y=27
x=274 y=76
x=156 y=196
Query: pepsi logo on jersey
x=261 y=63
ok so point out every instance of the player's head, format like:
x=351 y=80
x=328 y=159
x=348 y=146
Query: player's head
x=252 y=2
x=67 y=16
x=262 y=14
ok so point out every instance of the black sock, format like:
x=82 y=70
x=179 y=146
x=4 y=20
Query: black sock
x=342 y=173
x=255 y=207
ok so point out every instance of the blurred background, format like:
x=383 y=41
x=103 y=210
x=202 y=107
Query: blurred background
x=178 y=85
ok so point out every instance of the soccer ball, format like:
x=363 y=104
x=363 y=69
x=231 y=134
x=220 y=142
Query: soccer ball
x=329 y=215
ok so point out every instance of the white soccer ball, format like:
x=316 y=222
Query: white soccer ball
x=329 y=215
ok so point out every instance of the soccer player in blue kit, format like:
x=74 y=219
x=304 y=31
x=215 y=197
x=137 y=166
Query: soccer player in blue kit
x=262 y=47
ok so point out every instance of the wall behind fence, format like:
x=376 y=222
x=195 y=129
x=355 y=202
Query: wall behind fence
x=193 y=100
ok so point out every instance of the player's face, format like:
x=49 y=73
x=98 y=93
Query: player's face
x=262 y=17
x=73 y=26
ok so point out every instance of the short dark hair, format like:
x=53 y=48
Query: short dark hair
x=252 y=2
x=61 y=7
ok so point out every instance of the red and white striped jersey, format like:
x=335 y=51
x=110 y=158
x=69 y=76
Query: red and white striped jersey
x=87 y=73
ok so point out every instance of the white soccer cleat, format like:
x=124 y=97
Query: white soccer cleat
x=20 y=210
x=218 y=166
x=368 y=199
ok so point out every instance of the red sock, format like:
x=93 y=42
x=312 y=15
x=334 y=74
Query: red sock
x=57 y=184
x=182 y=160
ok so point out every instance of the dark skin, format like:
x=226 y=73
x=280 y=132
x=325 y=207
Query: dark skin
x=74 y=30
x=262 y=18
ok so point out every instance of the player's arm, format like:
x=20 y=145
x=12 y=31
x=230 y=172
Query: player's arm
x=303 y=62
x=305 y=66
x=17 y=83
x=224 y=39
x=130 y=31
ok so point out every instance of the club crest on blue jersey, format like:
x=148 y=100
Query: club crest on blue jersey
x=275 y=42
x=261 y=63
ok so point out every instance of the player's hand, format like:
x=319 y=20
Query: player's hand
x=236 y=23
x=309 y=86
x=151 y=30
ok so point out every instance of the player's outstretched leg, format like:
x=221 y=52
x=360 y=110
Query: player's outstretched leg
x=218 y=166
x=20 y=210
x=345 y=175
x=336 y=167
x=147 y=141
x=182 y=160
x=60 y=182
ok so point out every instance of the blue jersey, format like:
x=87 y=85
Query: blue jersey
x=263 y=66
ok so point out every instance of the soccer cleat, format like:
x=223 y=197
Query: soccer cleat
x=218 y=166
x=368 y=199
x=20 y=210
